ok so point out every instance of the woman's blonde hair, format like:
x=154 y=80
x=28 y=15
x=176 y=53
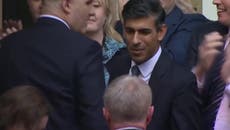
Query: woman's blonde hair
x=111 y=9
x=186 y=6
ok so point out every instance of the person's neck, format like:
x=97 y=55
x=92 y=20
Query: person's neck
x=169 y=10
x=97 y=36
x=115 y=126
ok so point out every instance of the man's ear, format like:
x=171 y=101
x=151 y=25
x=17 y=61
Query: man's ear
x=161 y=32
x=106 y=114
x=66 y=5
x=149 y=114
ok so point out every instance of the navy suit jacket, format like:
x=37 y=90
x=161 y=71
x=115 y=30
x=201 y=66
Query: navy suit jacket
x=180 y=27
x=66 y=66
x=175 y=97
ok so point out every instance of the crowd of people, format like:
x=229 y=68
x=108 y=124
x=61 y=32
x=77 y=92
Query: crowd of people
x=116 y=65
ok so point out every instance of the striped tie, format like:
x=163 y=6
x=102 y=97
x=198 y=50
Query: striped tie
x=135 y=71
x=215 y=87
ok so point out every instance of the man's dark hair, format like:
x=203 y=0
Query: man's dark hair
x=135 y=9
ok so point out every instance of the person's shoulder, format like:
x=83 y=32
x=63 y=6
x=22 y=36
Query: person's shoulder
x=195 y=17
x=82 y=41
x=191 y=21
x=210 y=26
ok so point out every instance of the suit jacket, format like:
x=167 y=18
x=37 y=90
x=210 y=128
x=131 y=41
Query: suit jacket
x=180 y=27
x=60 y=63
x=175 y=97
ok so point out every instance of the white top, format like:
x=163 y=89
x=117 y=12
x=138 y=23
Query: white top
x=54 y=17
x=223 y=116
x=147 y=67
x=227 y=39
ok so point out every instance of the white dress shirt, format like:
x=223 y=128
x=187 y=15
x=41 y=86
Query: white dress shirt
x=147 y=67
x=223 y=116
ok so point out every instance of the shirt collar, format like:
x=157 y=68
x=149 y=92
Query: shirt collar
x=147 y=67
x=54 y=17
x=128 y=128
x=227 y=39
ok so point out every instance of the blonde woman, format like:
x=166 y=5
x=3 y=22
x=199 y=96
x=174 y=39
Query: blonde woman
x=100 y=27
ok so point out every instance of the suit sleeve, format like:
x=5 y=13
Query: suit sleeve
x=178 y=44
x=186 y=107
x=90 y=89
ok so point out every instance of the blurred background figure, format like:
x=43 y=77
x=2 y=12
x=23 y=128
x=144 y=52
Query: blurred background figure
x=127 y=104
x=181 y=20
x=23 y=108
x=211 y=41
x=223 y=116
x=186 y=6
x=35 y=8
x=100 y=27
x=118 y=25
x=10 y=26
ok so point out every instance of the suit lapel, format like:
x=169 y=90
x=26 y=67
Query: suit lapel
x=158 y=73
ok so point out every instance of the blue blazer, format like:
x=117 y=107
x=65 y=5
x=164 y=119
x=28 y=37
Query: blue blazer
x=180 y=27
x=66 y=66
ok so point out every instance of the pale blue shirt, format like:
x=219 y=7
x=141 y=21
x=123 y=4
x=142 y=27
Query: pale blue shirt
x=147 y=67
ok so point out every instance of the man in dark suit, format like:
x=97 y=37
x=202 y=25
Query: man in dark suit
x=180 y=27
x=65 y=65
x=175 y=97
x=128 y=104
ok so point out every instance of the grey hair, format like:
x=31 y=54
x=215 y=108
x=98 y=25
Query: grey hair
x=128 y=99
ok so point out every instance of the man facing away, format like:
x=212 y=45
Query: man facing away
x=127 y=104
x=60 y=62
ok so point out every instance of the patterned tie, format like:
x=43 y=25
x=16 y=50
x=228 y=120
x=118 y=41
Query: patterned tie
x=135 y=71
x=214 y=87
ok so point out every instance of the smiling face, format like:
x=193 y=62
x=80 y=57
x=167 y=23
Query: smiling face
x=143 y=38
x=223 y=11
